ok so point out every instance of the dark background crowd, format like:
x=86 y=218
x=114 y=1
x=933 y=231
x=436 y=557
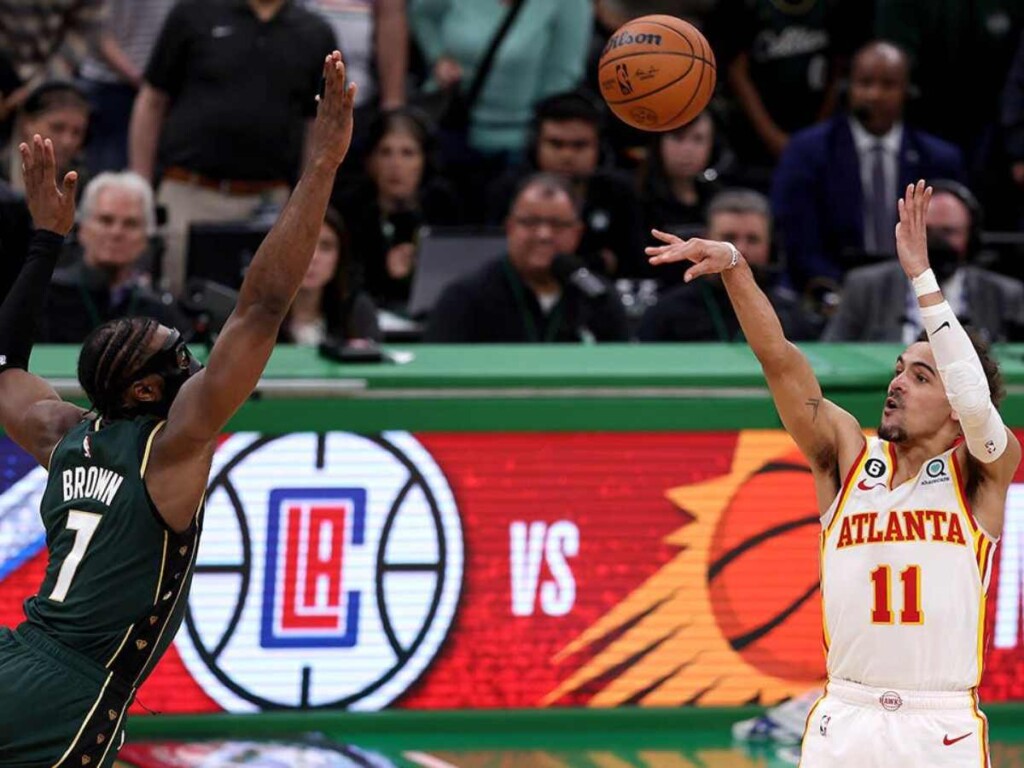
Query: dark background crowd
x=489 y=196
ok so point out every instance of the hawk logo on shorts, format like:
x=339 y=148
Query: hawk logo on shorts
x=890 y=701
x=823 y=725
x=328 y=574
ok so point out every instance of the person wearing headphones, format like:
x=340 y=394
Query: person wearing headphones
x=700 y=310
x=566 y=140
x=876 y=306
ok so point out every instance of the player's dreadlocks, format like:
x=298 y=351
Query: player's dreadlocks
x=110 y=354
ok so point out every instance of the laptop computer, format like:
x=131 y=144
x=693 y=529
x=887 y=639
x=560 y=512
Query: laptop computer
x=446 y=254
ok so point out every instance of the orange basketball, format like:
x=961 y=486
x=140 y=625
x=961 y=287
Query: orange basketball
x=763 y=571
x=657 y=73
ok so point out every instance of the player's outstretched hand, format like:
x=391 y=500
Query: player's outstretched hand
x=709 y=257
x=911 y=233
x=52 y=207
x=332 y=130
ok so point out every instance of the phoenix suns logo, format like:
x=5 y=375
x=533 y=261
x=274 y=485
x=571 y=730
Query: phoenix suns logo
x=692 y=634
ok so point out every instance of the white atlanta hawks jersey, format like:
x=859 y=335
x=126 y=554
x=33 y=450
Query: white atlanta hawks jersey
x=904 y=573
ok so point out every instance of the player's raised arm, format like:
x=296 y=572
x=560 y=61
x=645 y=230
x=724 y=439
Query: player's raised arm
x=828 y=436
x=31 y=412
x=994 y=448
x=238 y=358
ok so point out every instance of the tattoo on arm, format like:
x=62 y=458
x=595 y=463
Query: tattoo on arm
x=814 y=402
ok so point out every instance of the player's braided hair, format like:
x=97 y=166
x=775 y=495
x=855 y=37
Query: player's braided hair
x=110 y=354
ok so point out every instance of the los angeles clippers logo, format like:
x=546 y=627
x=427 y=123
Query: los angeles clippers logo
x=305 y=603
x=328 y=574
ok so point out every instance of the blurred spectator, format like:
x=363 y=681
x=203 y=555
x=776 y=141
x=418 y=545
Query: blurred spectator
x=227 y=97
x=780 y=61
x=1013 y=130
x=878 y=303
x=43 y=40
x=543 y=52
x=567 y=140
x=535 y=292
x=400 y=193
x=959 y=54
x=328 y=303
x=835 y=189
x=682 y=174
x=700 y=310
x=373 y=36
x=116 y=215
x=58 y=111
x=112 y=75
x=15 y=231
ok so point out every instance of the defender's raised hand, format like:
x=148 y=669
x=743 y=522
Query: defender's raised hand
x=332 y=130
x=911 y=232
x=709 y=257
x=52 y=207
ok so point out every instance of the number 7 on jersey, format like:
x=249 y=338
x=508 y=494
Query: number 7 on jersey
x=84 y=525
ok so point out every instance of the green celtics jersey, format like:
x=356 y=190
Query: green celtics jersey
x=117 y=580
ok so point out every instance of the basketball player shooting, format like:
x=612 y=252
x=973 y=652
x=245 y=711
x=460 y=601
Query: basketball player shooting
x=122 y=505
x=910 y=520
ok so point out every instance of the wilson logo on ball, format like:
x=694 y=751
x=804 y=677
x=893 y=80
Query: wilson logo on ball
x=328 y=575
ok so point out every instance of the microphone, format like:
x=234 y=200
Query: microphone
x=571 y=271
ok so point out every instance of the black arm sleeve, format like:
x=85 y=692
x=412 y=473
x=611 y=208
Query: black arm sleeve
x=22 y=308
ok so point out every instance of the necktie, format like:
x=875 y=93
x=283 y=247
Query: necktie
x=880 y=208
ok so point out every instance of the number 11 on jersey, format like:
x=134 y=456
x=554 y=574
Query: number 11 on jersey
x=881 y=581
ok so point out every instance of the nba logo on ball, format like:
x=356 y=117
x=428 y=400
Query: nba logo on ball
x=328 y=574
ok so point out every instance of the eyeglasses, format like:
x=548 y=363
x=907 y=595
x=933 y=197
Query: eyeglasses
x=536 y=222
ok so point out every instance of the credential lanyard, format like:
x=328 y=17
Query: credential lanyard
x=554 y=320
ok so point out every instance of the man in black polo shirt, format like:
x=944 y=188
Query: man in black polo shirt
x=222 y=115
x=517 y=297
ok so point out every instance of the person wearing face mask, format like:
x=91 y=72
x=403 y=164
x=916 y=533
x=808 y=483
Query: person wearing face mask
x=876 y=306
x=402 y=191
x=328 y=303
x=537 y=292
x=700 y=310
x=108 y=281
x=834 y=191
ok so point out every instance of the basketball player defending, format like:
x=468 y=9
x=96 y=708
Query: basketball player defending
x=123 y=503
x=909 y=521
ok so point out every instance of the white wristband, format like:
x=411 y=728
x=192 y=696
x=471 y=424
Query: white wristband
x=735 y=255
x=925 y=283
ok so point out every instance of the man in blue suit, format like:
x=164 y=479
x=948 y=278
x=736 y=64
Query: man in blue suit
x=834 y=191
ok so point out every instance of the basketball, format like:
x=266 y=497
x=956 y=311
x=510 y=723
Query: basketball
x=657 y=73
x=763 y=571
